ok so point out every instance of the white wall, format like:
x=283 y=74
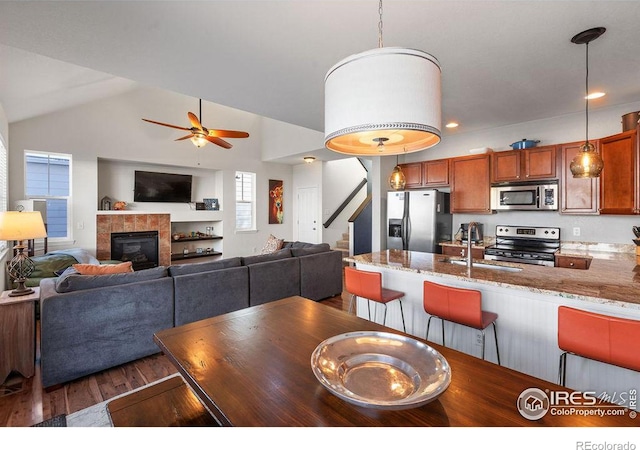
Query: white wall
x=112 y=129
x=4 y=140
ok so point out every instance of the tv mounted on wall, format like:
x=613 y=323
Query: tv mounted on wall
x=161 y=187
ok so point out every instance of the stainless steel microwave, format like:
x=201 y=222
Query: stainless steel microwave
x=525 y=197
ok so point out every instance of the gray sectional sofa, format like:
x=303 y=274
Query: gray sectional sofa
x=90 y=323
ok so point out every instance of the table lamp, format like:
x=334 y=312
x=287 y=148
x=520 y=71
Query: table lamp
x=20 y=226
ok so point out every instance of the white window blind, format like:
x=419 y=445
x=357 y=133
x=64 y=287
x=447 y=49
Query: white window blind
x=245 y=200
x=48 y=177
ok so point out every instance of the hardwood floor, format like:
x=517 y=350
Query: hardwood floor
x=30 y=403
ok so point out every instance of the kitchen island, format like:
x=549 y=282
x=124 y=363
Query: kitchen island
x=526 y=298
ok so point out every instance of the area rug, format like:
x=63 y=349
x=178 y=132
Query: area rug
x=57 y=421
x=11 y=386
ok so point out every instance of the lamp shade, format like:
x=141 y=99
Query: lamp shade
x=21 y=225
x=384 y=101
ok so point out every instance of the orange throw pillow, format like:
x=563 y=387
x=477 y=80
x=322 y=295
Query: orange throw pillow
x=103 y=269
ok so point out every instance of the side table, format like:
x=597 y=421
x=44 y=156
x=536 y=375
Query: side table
x=18 y=334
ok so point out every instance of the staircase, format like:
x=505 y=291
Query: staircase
x=343 y=245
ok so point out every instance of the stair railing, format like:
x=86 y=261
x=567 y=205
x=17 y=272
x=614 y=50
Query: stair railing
x=344 y=204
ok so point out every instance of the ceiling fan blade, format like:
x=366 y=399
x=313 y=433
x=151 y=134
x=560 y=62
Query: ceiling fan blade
x=194 y=120
x=218 y=141
x=166 y=124
x=188 y=136
x=228 y=133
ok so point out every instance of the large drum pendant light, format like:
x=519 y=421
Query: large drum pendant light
x=384 y=101
x=588 y=162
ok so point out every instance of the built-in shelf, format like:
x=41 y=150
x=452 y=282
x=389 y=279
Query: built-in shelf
x=197 y=238
x=192 y=255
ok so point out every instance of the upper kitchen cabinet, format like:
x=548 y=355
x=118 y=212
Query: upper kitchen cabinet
x=577 y=195
x=426 y=174
x=470 y=184
x=412 y=174
x=538 y=163
x=619 y=178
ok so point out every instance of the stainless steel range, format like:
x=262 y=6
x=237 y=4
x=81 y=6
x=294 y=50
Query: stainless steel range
x=525 y=245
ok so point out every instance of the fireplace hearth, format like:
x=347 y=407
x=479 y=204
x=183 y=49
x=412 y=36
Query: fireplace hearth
x=139 y=247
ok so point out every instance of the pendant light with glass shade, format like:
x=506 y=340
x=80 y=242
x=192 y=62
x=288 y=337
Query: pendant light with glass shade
x=384 y=101
x=588 y=162
x=397 y=180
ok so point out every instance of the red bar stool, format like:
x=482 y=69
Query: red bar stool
x=458 y=305
x=608 y=339
x=368 y=285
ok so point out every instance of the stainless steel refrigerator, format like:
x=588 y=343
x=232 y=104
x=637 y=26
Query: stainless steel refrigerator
x=418 y=220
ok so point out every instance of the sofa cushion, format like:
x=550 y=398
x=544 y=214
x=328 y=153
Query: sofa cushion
x=71 y=280
x=310 y=250
x=103 y=269
x=273 y=244
x=186 y=269
x=280 y=254
x=273 y=280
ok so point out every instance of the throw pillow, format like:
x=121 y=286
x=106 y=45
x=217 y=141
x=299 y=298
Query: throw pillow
x=103 y=269
x=273 y=244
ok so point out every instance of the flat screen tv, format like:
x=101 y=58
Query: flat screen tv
x=161 y=187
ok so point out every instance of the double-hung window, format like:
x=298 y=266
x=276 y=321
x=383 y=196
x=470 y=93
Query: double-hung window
x=48 y=178
x=245 y=201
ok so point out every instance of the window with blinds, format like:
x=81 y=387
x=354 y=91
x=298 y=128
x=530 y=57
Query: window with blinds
x=48 y=177
x=245 y=201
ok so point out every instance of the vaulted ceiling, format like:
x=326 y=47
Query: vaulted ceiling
x=503 y=62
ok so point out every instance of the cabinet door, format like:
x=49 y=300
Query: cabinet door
x=506 y=166
x=577 y=195
x=540 y=163
x=435 y=173
x=618 y=182
x=470 y=184
x=412 y=174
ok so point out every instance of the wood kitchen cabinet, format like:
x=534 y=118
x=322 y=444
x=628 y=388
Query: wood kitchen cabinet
x=573 y=262
x=619 y=178
x=538 y=163
x=577 y=195
x=470 y=178
x=461 y=251
x=412 y=174
x=426 y=173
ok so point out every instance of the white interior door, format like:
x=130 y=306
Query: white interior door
x=308 y=225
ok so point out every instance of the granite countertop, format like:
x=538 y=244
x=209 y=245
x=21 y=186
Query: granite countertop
x=609 y=280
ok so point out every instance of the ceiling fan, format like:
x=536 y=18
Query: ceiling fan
x=201 y=135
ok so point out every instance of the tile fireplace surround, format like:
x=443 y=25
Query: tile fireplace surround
x=123 y=223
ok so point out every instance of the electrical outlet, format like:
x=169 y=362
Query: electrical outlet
x=479 y=338
x=576 y=231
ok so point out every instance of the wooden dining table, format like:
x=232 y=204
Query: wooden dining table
x=252 y=368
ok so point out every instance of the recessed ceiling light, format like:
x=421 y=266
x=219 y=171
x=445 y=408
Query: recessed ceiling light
x=595 y=95
x=451 y=125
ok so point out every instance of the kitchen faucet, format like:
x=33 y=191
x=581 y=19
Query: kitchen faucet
x=471 y=228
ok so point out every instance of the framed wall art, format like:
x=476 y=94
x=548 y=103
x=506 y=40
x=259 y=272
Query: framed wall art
x=276 y=214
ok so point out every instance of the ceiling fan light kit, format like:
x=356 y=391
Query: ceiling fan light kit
x=200 y=135
x=384 y=101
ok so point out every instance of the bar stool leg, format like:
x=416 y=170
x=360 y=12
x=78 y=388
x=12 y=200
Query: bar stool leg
x=562 y=369
x=482 y=331
x=495 y=335
x=404 y=328
x=384 y=317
